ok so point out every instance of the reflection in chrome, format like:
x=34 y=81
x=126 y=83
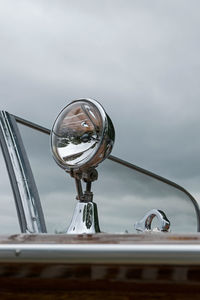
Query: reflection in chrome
x=82 y=135
x=27 y=200
x=145 y=223
x=85 y=219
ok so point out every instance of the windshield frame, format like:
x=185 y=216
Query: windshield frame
x=30 y=210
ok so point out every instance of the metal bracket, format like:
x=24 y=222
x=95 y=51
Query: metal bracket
x=88 y=176
x=85 y=217
x=145 y=223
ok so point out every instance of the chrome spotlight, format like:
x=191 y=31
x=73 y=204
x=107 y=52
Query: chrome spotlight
x=82 y=137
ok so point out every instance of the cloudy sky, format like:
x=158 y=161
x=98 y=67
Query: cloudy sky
x=140 y=59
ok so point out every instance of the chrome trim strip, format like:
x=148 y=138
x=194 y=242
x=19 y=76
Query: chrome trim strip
x=32 y=125
x=11 y=173
x=102 y=254
x=27 y=200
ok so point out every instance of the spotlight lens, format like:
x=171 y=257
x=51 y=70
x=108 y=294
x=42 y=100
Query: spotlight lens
x=78 y=134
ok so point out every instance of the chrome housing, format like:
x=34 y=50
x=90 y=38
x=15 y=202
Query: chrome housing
x=82 y=135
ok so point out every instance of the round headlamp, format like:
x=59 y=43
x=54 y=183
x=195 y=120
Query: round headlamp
x=82 y=135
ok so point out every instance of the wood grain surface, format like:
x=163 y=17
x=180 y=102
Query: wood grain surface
x=102 y=238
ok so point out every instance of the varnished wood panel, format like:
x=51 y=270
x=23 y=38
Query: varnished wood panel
x=101 y=238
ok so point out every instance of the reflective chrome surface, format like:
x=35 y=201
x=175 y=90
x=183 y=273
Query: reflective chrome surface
x=145 y=223
x=9 y=223
x=26 y=197
x=82 y=135
x=85 y=219
x=138 y=253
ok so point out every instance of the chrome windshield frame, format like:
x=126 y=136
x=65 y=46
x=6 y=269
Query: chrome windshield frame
x=27 y=201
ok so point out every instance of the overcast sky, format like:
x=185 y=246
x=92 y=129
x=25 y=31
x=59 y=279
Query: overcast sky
x=140 y=59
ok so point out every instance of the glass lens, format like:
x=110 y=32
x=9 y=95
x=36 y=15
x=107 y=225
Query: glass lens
x=76 y=134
